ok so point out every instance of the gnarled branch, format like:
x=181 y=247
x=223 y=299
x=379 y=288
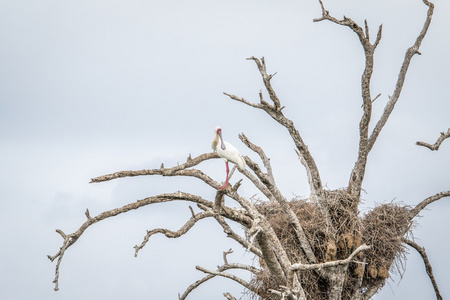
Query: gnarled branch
x=366 y=143
x=414 y=49
x=174 y=234
x=419 y=207
x=177 y=170
x=262 y=155
x=221 y=272
x=357 y=175
x=211 y=275
x=180 y=170
x=70 y=239
x=269 y=182
x=335 y=263
x=231 y=234
x=275 y=111
x=438 y=143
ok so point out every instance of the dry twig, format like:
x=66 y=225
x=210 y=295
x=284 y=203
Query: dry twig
x=419 y=207
x=438 y=143
x=330 y=264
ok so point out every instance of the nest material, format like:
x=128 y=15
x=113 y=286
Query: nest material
x=381 y=228
x=384 y=227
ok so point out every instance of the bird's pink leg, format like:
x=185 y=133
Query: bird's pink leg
x=226 y=181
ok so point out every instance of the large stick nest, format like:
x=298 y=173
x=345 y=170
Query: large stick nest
x=381 y=228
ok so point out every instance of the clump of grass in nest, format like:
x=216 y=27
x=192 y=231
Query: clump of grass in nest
x=380 y=228
x=383 y=228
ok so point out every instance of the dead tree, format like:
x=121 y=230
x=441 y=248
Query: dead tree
x=315 y=248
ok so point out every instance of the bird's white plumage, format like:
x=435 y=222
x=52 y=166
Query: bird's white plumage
x=230 y=153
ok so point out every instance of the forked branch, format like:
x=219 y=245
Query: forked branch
x=221 y=272
x=438 y=143
x=414 y=49
x=269 y=182
x=180 y=170
x=366 y=143
x=266 y=79
x=335 y=263
x=357 y=175
x=262 y=155
x=70 y=239
x=419 y=207
x=275 y=111
x=174 y=234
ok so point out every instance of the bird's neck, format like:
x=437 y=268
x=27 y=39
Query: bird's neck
x=215 y=142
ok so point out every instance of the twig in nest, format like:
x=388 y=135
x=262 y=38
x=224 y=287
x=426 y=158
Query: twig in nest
x=331 y=263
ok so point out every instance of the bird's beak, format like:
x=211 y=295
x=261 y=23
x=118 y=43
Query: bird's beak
x=222 y=145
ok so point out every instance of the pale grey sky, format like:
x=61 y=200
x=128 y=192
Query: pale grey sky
x=92 y=87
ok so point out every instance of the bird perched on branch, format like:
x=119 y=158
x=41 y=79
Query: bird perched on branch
x=228 y=153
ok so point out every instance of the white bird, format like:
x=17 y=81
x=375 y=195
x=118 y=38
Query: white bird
x=227 y=151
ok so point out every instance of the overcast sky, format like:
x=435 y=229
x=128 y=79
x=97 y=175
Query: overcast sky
x=93 y=87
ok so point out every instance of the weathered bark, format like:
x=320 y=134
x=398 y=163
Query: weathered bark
x=438 y=143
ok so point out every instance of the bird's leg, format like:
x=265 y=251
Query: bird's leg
x=226 y=181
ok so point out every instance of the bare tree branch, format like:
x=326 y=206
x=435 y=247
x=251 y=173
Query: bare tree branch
x=221 y=269
x=178 y=196
x=269 y=182
x=229 y=296
x=373 y=100
x=275 y=112
x=262 y=155
x=426 y=261
x=180 y=170
x=419 y=207
x=240 y=99
x=266 y=79
x=357 y=175
x=258 y=180
x=233 y=277
x=225 y=253
x=366 y=142
x=438 y=143
x=69 y=240
x=236 y=266
x=335 y=263
x=260 y=223
x=414 y=49
x=174 y=234
x=323 y=205
x=231 y=234
x=274 y=246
